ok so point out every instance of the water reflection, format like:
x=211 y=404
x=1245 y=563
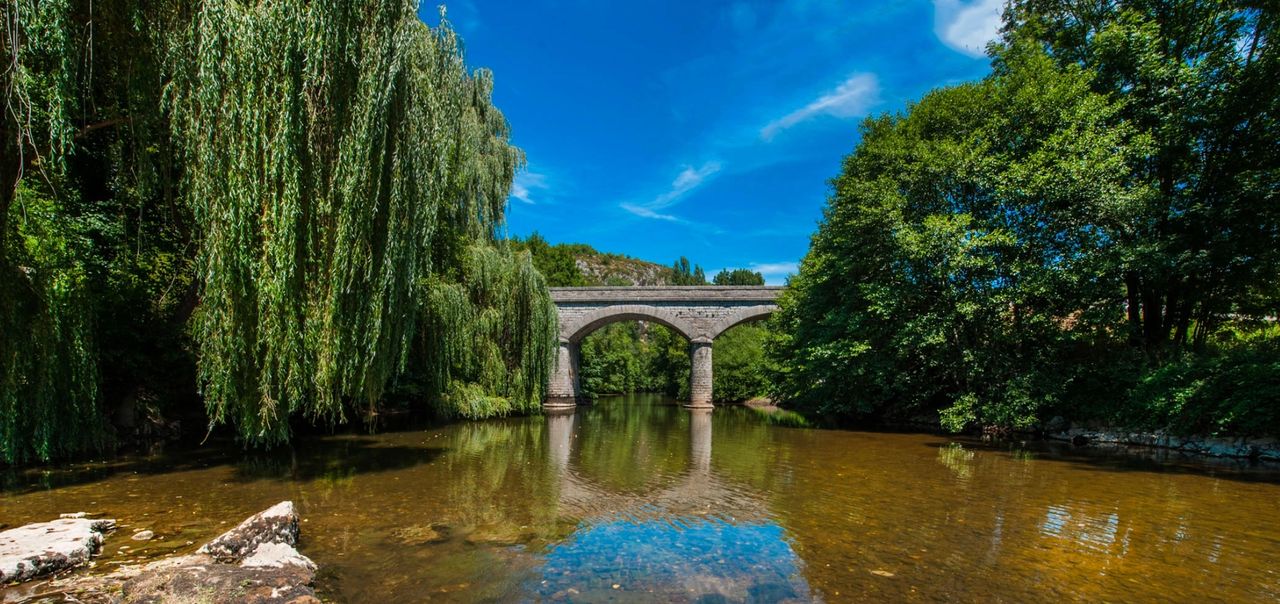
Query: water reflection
x=700 y=440
x=673 y=505
x=1096 y=531
x=695 y=537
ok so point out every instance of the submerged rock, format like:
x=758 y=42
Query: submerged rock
x=420 y=534
x=38 y=549
x=143 y=536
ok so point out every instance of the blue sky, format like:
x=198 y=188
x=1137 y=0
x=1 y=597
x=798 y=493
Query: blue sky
x=698 y=128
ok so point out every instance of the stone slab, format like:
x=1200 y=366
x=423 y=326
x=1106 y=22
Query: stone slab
x=43 y=548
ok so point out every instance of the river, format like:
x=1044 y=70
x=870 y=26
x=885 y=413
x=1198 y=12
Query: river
x=636 y=499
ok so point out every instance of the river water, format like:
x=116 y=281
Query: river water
x=636 y=499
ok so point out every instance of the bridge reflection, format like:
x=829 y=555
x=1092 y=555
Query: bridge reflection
x=697 y=491
x=696 y=536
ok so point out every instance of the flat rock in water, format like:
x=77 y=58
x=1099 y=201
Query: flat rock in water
x=38 y=549
x=277 y=524
x=200 y=579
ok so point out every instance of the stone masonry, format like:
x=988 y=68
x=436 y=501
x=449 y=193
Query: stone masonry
x=699 y=313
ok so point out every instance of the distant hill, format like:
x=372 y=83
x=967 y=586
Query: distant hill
x=615 y=269
x=580 y=265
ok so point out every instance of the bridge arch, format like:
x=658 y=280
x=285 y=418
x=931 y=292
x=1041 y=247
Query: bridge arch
x=581 y=327
x=747 y=314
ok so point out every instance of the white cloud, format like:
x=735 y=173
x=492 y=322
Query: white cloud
x=686 y=181
x=645 y=212
x=775 y=273
x=850 y=99
x=775 y=268
x=967 y=26
x=525 y=183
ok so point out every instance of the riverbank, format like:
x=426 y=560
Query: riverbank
x=1059 y=430
x=1262 y=449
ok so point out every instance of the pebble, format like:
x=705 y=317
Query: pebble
x=143 y=536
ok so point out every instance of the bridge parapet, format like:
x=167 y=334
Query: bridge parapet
x=700 y=294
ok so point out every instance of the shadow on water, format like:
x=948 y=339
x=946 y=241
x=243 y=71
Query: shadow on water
x=310 y=460
x=27 y=479
x=1150 y=460
x=307 y=459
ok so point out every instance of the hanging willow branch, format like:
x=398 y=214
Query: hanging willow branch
x=344 y=166
x=48 y=370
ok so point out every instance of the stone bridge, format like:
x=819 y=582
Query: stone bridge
x=699 y=313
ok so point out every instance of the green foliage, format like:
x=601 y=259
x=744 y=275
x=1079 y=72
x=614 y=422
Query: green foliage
x=1198 y=79
x=48 y=370
x=93 y=266
x=1231 y=390
x=488 y=339
x=300 y=180
x=557 y=263
x=738 y=364
x=781 y=417
x=738 y=276
x=342 y=163
x=684 y=274
x=620 y=359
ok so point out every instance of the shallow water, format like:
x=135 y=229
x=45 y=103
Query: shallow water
x=636 y=499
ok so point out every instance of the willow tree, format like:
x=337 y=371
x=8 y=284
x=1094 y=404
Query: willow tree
x=48 y=379
x=343 y=164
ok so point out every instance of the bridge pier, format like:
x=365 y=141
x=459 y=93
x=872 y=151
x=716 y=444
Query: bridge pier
x=700 y=376
x=564 y=391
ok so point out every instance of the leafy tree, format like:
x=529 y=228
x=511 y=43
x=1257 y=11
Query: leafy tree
x=343 y=165
x=738 y=276
x=963 y=252
x=1051 y=238
x=683 y=274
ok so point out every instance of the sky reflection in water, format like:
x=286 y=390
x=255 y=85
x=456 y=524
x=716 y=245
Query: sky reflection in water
x=699 y=559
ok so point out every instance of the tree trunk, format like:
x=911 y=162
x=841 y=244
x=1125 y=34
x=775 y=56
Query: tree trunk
x=1133 y=285
x=8 y=188
x=1152 y=320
